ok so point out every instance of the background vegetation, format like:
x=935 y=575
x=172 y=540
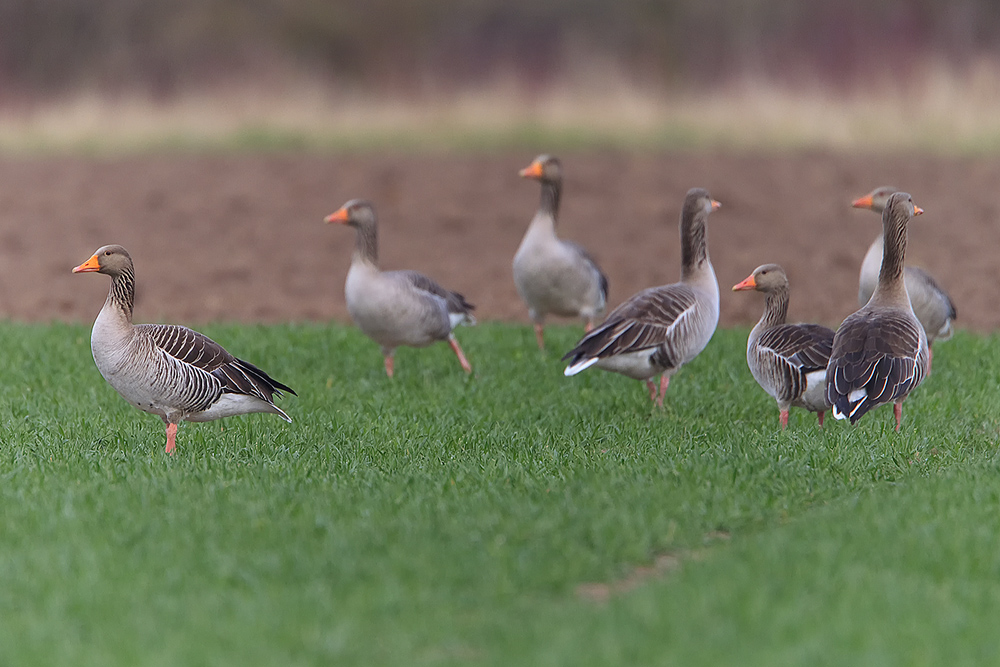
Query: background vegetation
x=164 y=46
x=847 y=74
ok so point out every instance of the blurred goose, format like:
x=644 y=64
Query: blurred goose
x=880 y=352
x=168 y=370
x=662 y=328
x=787 y=360
x=931 y=304
x=396 y=308
x=552 y=275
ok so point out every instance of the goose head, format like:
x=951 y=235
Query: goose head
x=111 y=260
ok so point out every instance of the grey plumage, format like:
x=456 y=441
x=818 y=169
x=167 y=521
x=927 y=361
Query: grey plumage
x=168 y=370
x=880 y=352
x=552 y=275
x=787 y=360
x=396 y=308
x=931 y=303
x=660 y=329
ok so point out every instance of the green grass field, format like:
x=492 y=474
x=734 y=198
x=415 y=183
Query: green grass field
x=517 y=517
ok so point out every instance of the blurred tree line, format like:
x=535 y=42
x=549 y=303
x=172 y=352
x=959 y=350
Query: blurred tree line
x=166 y=46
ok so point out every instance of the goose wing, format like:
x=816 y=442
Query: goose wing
x=792 y=351
x=589 y=259
x=457 y=304
x=651 y=318
x=931 y=303
x=877 y=358
x=917 y=276
x=200 y=354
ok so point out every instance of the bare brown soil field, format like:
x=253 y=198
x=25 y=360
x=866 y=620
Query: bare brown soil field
x=240 y=237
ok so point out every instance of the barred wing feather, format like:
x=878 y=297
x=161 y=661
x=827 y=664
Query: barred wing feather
x=877 y=358
x=649 y=319
x=795 y=351
x=202 y=353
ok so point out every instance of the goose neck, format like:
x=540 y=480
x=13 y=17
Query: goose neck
x=366 y=244
x=775 y=308
x=694 y=246
x=122 y=293
x=551 y=194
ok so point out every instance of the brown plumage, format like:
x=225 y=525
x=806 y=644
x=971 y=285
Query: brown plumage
x=880 y=352
x=930 y=302
x=787 y=360
x=660 y=329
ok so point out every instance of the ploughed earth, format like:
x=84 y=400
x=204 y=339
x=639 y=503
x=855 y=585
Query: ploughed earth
x=240 y=237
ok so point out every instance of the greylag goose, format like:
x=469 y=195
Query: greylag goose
x=660 y=329
x=553 y=275
x=396 y=308
x=880 y=352
x=931 y=303
x=787 y=360
x=168 y=370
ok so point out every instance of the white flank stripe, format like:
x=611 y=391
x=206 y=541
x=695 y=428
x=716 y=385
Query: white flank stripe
x=814 y=377
x=857 y=395
x=580 y=366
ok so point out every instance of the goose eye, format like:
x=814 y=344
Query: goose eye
x=107 y=252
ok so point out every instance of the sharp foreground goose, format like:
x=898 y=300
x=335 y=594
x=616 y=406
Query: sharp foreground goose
x=662 y=328
x=931 y=303
x=787 y=360
x=396 y=308
x=880 y=352
x=552 y=275
x=168 y=370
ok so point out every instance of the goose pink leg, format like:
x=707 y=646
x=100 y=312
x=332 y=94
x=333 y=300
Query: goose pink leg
x=388 y=365
x=897 y=409
x=171 y=438
x=461 y=355
x=664 y=382
x=538 y=336
x=783 y=418
x=820 y=416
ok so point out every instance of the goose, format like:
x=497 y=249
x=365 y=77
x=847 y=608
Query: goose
x=660 y=329
x=396 y=308
x=787 y=360
x=880 y=352
x=169 y=370
x=931 y=303
x=553 y=275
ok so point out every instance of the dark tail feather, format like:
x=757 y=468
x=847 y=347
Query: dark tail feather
x=265 y=381
x=587 y=347
x=458 y=304
x=853 y=411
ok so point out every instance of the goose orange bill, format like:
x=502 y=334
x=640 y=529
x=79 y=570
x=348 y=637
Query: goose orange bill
x=716 y=205
x=917 y=211
x=92 y=264
x=747 y=283
x=533 y=170
x=862 y=202
x=340 y=215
